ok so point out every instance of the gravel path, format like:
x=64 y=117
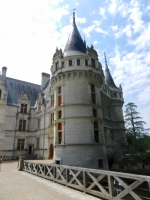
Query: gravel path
x=16 y=185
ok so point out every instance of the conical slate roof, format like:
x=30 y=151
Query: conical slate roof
x=75 y=44
x=108 y=78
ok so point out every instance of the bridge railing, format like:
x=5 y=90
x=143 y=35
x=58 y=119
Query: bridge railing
x=100 y=183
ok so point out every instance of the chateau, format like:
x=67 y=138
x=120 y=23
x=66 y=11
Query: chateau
x=74 y=117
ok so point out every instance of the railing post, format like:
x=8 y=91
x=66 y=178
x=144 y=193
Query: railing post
x=111 y=185
x=84 y=181
x=54 y=172
x=44 y=171
x=67 y=176
x=21 y=164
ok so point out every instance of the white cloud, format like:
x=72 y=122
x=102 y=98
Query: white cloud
x=88 y=30
x=113 y=6
x=102 y=12
x=143 y=40
x=127 y=30
x=99 y=30
x=95 y=42
x=80 y=20
x=94 y=27
x=114 y=28
x=93 y=12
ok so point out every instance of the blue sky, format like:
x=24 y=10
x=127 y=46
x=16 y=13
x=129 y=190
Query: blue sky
x=30 y=31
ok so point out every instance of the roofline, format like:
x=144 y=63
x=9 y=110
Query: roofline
x=23 y=81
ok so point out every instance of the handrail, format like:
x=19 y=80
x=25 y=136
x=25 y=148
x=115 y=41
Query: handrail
x=101 y=183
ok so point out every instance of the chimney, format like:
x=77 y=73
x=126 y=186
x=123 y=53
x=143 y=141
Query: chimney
x=44 y=79
x=4 y=70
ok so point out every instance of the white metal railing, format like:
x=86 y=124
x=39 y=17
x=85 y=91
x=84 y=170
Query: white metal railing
x=100 y=183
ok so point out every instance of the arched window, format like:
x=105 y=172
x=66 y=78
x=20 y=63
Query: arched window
x=0 y=93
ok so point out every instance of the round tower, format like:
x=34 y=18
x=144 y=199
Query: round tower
x=76 y=112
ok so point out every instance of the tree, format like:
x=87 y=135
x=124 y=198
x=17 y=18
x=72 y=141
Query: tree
x=136 y=134
x=132 y=120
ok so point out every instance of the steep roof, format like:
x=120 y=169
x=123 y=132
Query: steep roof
x=108 y=78
x=17 y=87
x=75 y=44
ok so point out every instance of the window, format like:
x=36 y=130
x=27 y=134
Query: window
x=59 y=137
x=96 y=136
x=93 y=63
x=39 y=124
x=92 y=88
x=70 y=62
x=86 y=62
x=78 y=61
x=57 y=66
x=59 y=90
x=22 y=125
x=38 y=143
x=59 y=100
x=95 y=125
x=23 y=108
x=52 y=100
x=62 y=64
x=59 y=126
x=93 y=95
x=59 y=133
x=96 y=133
x=115 y=94
x=52 y=118
x=100 y=163
x=59 y=96
x=20 y=144
x=94 y=112
x=59 y=114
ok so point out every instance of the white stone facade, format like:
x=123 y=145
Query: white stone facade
x=76 y=118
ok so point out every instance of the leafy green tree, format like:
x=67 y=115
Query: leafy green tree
x=138 y=140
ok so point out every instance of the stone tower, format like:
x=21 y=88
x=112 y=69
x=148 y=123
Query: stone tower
x=78 y=121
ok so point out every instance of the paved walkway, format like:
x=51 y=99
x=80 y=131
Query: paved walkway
x=16 y=185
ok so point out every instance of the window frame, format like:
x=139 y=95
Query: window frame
x=22 y=125
x=20 y=143
x=86 y=62
x=78 y=62
x=59 y=114
x=93 y=63
x=23 y=108
x=70 y=62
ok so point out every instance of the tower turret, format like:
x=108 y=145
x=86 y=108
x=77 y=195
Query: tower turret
x=75 y=44
x=108 y=78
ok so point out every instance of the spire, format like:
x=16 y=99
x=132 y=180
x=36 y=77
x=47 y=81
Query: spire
x=108 y=78
x=106 y=66
x=74 y=22
x=75 y=44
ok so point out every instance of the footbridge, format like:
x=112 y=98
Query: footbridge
x=99 y=183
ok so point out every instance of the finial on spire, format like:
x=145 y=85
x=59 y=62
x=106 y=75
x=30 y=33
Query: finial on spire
x=106 y=66
x=74 y=15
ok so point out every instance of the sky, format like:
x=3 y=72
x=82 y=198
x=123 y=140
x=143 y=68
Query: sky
x=31 y=30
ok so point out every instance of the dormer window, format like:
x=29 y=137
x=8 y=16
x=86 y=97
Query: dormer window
x=23 y=108
x=78 y=61
x=70 y=62
x=93 y=63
